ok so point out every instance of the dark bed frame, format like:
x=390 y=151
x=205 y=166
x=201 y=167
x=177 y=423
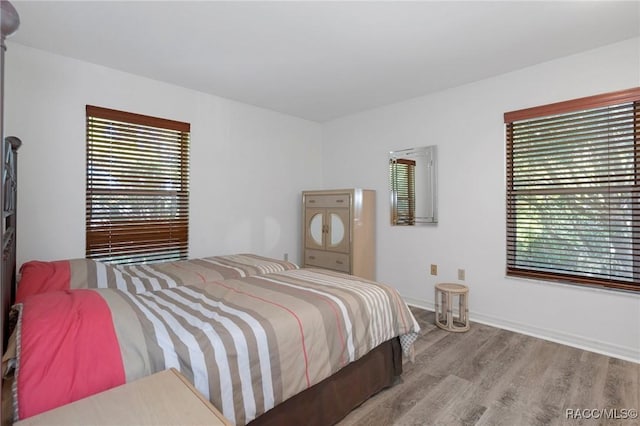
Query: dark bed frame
x=8 y=201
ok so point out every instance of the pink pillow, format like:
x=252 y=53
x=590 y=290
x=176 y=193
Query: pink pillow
x=43 y=277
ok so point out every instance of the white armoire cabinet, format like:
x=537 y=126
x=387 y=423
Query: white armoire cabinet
x=339 y=231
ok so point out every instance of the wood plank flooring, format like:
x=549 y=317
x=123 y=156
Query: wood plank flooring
x=488 y=376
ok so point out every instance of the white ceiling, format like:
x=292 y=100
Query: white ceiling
x=322 y=60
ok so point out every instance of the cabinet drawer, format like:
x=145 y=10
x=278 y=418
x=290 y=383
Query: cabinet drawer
x=327 y=200
x=322 y=259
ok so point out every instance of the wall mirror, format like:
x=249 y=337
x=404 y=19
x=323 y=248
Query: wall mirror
x=413 y=186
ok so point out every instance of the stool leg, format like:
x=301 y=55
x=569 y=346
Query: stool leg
x=464 y=311
x=449 y=302
x=437 y=305
x=445 y=309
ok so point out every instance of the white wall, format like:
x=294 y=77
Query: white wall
x=248 y=165
x=467 y=125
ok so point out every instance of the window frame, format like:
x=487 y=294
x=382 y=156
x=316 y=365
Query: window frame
x=629 y=96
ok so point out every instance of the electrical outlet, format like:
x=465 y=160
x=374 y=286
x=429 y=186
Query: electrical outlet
x=434 y=269
x=286 y=256
x=461 y=274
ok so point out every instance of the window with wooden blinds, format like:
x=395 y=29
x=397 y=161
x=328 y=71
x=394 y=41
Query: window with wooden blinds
x=137 y=187
x=573 y=191
x=403 y=180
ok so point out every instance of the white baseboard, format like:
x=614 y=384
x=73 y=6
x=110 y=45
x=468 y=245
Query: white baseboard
x=609 y=349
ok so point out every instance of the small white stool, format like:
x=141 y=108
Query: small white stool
x=444 y=307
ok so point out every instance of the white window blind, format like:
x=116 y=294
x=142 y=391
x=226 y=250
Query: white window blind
x=137 y=200
x=573 y=194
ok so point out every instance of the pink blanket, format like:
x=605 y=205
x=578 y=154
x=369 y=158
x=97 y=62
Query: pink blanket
x=86 y=356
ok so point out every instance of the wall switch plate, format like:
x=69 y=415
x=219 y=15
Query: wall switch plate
x=434 y=269
x=461 y=274
x=286 y=256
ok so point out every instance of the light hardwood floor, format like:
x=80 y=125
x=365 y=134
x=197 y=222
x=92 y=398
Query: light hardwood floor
x=489 y=376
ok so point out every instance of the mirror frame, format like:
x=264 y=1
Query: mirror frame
x=430 y=187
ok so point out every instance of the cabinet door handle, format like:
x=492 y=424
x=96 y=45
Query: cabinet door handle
x=339 y=262
x=339 y=201
x=312 y=257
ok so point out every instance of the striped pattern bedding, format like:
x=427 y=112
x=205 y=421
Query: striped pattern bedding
x=186 y=272
x=156 y=276
x=247 y=343
x=40 y=277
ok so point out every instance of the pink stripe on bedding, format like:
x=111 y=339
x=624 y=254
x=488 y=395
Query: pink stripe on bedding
x=40 y=277
x=67 y=350
x=284 y=308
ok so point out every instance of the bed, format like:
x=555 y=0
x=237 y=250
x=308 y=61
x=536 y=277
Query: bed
x=268 y=343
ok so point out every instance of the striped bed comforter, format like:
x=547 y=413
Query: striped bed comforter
x=247 y=343
x=40 y=277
